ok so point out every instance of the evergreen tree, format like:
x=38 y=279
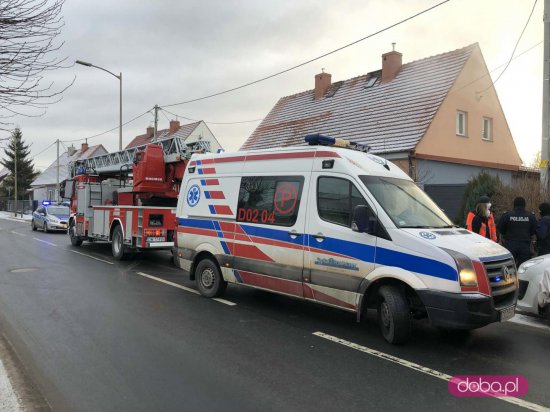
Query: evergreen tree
x=17 y=149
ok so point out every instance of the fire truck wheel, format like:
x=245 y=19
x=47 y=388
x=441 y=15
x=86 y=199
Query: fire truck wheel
x=394 y=314
x=209 y=279
x=118 y=244
x=75 y=241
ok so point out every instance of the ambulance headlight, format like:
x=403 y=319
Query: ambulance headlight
x=466 y=271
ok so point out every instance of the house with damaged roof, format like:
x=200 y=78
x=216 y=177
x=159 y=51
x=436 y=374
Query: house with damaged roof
x=439 y=119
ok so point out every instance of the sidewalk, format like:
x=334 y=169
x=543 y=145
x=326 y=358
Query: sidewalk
x=8 y=399
x=10 y=216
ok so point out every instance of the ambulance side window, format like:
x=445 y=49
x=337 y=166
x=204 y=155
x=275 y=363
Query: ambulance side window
x=336 y=199
x=269 y=200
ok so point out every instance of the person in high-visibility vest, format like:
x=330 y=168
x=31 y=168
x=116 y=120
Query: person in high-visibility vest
x=480 y=222
x=491 y=228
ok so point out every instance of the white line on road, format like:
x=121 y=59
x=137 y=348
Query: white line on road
x=45 y=241
x=16 y=233
x=196 y=292
x=422 y=369
x=92 y=257
x=529 y=321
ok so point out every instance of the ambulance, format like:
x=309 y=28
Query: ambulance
x=333 y=224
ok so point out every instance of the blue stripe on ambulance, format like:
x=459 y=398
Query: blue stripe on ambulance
x=385 y=257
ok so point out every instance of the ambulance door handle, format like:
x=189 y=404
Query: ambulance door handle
x=319 y=236
x=293 y=234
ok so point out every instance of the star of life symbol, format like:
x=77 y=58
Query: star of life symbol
x=193 y=195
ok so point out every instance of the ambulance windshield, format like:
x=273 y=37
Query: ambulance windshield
x=405 y=203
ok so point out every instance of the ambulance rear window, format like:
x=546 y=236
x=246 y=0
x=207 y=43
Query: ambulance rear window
x=269 y=200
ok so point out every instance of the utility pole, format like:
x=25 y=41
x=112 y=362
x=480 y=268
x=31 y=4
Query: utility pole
x=57 y=174
x=15 y=177
x=157 y=121
x=544 y=152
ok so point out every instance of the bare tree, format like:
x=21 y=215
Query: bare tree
x=28 y=29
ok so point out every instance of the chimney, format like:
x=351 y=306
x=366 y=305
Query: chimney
x=84 y=147
x=322 y=83
x=174 y=126
x=150 y=131
x=391 y=64
x=71 y=150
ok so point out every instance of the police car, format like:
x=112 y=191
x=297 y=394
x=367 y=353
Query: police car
x=50 y=217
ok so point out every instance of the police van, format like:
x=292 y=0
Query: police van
x=334 y=224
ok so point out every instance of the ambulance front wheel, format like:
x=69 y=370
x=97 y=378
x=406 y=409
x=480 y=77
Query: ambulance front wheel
x=209 y=279
x=394 y=314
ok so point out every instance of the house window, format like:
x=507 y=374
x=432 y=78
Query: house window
x=487 y=132
x=461 y=123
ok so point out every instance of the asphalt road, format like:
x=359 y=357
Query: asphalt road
x=94 y=334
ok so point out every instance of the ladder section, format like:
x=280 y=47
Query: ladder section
x=174 y=149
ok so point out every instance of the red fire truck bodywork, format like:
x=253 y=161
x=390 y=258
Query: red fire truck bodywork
x=133 y=212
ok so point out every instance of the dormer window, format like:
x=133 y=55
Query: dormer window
x=461 y=123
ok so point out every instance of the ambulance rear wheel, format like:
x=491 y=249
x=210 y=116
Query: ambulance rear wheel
x=394 y=314
x=117 y=244
x=209 y=279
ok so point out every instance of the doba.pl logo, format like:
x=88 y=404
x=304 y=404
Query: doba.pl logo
x=490 y=385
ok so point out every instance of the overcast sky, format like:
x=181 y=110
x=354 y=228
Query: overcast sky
x=175 y=50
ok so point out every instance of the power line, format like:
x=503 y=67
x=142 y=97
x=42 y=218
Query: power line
x=311 y=60
x=207 y=122
x=513 y=51
x=38 y=154
x=107 y=131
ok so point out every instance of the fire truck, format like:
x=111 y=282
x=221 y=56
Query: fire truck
x=128 y=197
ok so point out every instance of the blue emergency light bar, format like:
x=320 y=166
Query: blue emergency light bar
x=46 y=202
x=322 y=140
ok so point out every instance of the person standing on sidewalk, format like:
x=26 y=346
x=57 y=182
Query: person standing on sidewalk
x=490 y=223
x=517 y=229
x=543 y=229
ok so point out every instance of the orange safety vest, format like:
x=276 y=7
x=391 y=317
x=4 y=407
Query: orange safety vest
x=491 y=224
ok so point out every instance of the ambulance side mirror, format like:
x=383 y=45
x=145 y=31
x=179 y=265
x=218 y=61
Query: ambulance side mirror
x=362 y=219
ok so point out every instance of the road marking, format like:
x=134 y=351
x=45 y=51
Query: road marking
x=422 y=369
x=529 y=321
x=45 y=241
x=196 y=292
x=15 y=233
x=92 y=257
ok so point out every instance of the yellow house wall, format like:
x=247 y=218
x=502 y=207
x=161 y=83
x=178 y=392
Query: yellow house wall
x=468 y=94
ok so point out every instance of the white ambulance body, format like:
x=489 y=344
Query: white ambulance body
x=339 y=227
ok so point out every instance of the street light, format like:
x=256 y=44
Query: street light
x=119 y=77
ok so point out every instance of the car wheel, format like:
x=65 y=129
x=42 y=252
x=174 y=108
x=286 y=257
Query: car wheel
x=394 y=314
x=117 y=244
x=33 y=225
x=209 y=279
x=75 y=241
x=46 y=230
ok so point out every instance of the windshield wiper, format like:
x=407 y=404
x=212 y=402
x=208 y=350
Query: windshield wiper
x=418 y=227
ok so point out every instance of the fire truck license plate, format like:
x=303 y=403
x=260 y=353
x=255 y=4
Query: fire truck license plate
x=507 y=313
x=155 y=239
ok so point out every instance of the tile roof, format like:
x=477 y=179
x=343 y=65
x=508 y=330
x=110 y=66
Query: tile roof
x=390 y=117
x=49 y=176
x=183 y=132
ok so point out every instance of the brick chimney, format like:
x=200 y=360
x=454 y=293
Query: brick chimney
x=84 y=147
x=391 y=64
x=150 y=131
x=322 y=83
x=174 y=126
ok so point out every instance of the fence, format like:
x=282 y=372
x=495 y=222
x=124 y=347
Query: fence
x=23 y=206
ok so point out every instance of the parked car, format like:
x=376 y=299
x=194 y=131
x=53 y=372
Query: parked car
x=50 y=218
x=530 y=277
